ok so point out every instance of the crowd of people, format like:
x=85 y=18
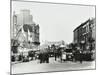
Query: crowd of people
x=44 y=57
x=59 y=53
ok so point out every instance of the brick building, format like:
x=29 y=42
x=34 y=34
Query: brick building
x=84 y=34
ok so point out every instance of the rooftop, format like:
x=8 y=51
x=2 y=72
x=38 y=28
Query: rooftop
x=81 y=25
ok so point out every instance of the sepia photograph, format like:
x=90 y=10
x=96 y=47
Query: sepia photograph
x=52 y=37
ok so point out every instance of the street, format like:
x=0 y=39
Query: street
x=34 y=66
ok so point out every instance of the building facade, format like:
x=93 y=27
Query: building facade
x=25 y=30
x=84 y=35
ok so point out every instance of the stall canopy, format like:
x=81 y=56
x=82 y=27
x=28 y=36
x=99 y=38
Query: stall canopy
x=62 y=46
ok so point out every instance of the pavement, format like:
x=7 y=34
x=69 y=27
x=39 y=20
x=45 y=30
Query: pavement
x=34 y=66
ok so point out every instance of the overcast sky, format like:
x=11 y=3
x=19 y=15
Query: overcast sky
x=56 y=21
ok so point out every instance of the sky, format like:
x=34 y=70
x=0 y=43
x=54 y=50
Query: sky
x=56 y=21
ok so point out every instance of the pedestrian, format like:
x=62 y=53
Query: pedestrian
x=55 y=53
x=20 y=58
x=44 y=57
x=76 y=55
x=55 y=56
x=47 y=57
x=61 y=52
x=81 y=57
x=41 y=57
